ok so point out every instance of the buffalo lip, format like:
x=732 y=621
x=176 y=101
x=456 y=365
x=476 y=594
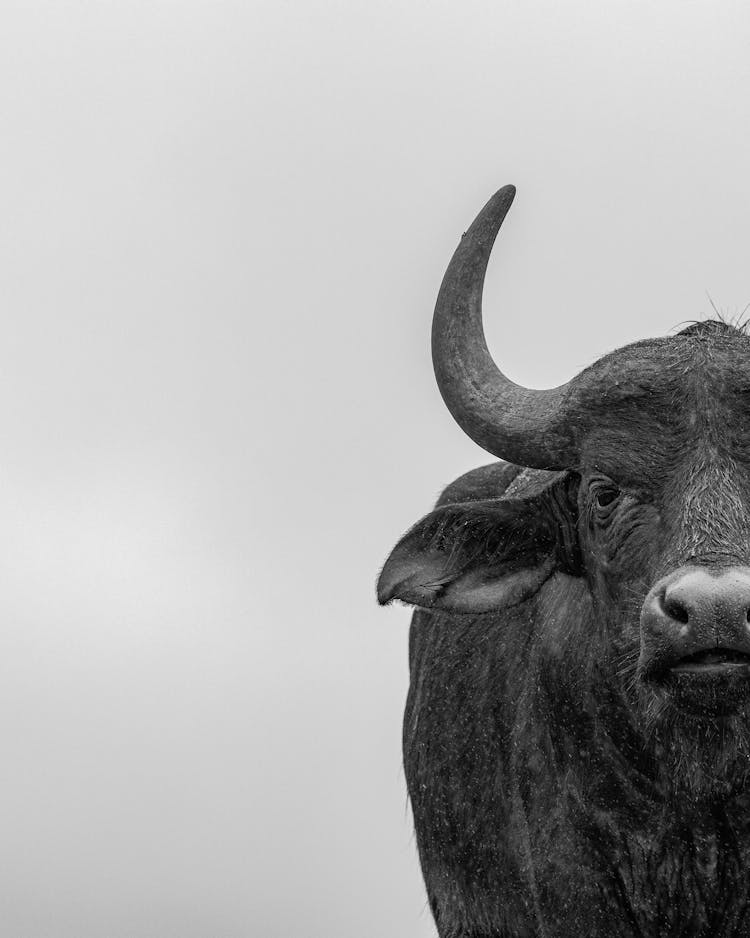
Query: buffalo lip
x=713 y=683
x=715 y=661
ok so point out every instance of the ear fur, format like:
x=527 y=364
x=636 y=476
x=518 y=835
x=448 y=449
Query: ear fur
x=481 y=556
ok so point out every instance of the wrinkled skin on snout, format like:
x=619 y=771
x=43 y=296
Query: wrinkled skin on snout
x=577 y=731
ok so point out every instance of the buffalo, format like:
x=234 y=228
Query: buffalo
x=577 y=729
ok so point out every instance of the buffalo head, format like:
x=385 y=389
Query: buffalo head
x=636 y=484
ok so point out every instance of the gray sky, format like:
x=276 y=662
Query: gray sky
x=223 y=228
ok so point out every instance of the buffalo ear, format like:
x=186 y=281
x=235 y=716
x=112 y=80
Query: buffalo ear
x=482 y=556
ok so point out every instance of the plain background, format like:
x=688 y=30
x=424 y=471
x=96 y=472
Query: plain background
x=223 y=228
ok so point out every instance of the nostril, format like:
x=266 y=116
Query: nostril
x=703 y=605
x=676 y=610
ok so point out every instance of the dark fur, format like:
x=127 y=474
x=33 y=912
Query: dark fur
x=555 y=791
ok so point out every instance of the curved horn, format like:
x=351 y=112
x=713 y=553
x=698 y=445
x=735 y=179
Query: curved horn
x=504 y=418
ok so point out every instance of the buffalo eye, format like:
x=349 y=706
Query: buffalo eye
x=605 y=496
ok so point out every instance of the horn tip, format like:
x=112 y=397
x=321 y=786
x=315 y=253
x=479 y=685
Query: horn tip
x=497 y=208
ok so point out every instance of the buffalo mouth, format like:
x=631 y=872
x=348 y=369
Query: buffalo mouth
x=711 y=662
x=712 y=682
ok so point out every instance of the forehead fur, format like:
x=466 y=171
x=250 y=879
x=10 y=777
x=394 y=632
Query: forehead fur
x=653 y=402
